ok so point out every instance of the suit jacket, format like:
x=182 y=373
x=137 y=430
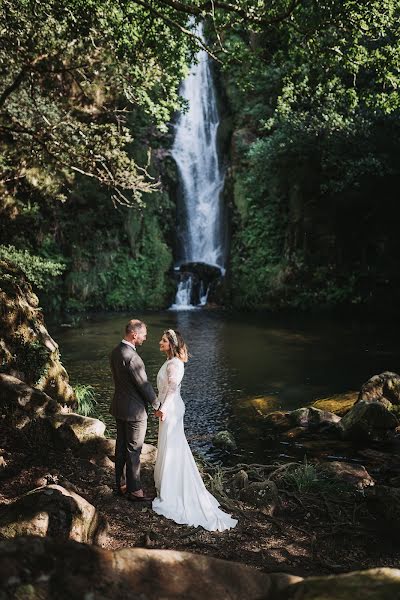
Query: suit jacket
x=132 y=390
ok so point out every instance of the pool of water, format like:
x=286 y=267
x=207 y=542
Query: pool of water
x=241 y=367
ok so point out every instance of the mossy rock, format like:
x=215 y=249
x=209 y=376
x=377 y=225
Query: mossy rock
x=263 y=494
x=67 y=570
x=312 y=417
x=384 y=388
x=374 y=584
x=224 y=440
x=27 y=351
x=339 y=404
x=368 y=421
x=72 y=429
x=52 y=511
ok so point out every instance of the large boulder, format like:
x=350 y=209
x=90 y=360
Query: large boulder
x=368 y=421
x=21 y=402
x=52 y=511
x=374 y=584
x=27 y=351
x=313 y=418
x=98 y=447
x=203 y=278
x=339 y=404
x=49 y=568
x=384 y=388
x=72 y=429
x=352 y=474
x=279 y=420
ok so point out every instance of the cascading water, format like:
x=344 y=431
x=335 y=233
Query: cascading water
x=183 y=298
x=200 y=171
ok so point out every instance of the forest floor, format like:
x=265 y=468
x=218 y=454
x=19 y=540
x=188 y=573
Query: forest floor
x=308 y=534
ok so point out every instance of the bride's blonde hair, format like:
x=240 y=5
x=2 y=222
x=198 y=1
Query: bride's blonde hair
x=177 y=346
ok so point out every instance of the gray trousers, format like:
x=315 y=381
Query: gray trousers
x=130 y=439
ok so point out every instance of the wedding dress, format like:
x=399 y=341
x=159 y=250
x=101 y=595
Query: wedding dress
x=181 y=493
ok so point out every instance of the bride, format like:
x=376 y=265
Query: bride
x=181 y=493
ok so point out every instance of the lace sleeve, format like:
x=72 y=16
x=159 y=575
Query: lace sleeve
x=171 y=388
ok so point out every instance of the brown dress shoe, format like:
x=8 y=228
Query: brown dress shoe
x=132 y=498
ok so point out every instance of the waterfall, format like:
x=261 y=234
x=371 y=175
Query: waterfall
x=201 y=174
x=183 y=298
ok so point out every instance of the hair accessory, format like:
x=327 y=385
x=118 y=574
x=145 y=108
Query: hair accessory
x=173 y=335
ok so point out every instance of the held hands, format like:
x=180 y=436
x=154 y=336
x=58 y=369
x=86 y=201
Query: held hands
x=159 y=413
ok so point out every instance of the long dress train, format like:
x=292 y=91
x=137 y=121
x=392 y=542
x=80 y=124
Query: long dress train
x=181 y=493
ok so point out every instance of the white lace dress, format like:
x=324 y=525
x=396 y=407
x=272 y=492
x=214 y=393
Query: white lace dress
x=181 y=493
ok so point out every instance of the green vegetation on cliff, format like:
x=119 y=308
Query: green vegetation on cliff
x=316 y=157
x=87 y=88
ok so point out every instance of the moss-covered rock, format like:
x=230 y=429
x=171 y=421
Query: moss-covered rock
x=374 y=584
x=278 y=420
x=384 y=388
x=339 y=404
x=263 y=494
x=72 y=429
x=20 y=399
x=52 y=511
x=27 y=351
x=68 y=570
x=368 y=421
x=353 y=474
x=313 y=418
x=225 y=440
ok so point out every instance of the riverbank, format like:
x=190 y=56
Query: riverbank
x=309 y=533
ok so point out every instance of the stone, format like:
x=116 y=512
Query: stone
x=104 y=492
x=73 y=429
x=278 y=420
x=384 y=388
x=353 y=474
x=294 y=433
x=263 y=494
x=102 y=461
x=339 y=404
x=18 y=397
x=255 y=406
x=225 y=440
x=312 y=417
x=203 y=277
x=374 y=584
x=148 y=455
x=368 y=421
x=65 y=570
x=28 y=352
x=52 y=511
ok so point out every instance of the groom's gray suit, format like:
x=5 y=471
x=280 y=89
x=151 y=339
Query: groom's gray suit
x=133 y=393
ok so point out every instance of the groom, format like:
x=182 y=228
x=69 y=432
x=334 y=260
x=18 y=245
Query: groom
x=131 y=396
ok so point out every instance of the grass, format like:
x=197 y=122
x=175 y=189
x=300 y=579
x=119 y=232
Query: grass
x=85 y=396
x=307 y=478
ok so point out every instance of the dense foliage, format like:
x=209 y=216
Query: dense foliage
x=88 y=91
x=86 y=85
x=317 y=150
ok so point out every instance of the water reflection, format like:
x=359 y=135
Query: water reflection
x=241 y=367
x=206 y=383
